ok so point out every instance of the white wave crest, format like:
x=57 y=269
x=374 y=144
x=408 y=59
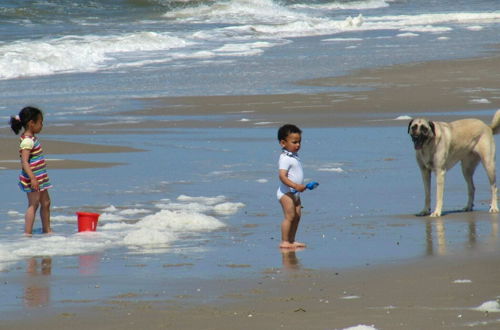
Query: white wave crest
x=77 y=53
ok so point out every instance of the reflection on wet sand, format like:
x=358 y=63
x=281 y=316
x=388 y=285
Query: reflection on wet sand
x=436 y=234
x=289 y=258
x=88 y=264
x=37 y=289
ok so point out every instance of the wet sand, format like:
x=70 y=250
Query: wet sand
x=426 y=294
x=439 y=86
x=419 y=294
x=10 y=158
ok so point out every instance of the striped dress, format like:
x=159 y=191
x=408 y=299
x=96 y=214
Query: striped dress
x=37 y=165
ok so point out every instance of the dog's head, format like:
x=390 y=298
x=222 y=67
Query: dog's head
x=421 y=130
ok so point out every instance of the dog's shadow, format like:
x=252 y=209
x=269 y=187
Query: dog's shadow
x=458 y=211
x=443 y=214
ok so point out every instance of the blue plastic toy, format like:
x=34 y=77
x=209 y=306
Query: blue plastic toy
x=311 y=185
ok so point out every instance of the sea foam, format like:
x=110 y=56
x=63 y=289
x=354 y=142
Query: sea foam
x=132 y=228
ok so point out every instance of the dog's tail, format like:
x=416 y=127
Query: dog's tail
x=495 y=122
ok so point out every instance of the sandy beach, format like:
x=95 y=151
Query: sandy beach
x=452 y=293
x=433 y=292
x=8 y=159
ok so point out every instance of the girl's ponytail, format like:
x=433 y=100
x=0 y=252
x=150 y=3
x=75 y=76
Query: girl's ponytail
x=15 y=124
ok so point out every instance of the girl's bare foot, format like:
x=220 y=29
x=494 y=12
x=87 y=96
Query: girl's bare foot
x=299 y=245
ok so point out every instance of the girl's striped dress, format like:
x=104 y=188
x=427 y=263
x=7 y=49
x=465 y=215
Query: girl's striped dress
x=37 y=165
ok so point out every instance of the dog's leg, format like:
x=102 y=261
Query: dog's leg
x=486 y=148
x=426 y=179
x=469 y=165
x=489 y=166
x=440 y=175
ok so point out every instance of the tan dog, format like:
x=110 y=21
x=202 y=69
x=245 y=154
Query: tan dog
x=439 y=146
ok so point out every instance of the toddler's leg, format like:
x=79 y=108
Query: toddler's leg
x=45 y=211
x=290 y=221
x=29 y=217
x=295 y=224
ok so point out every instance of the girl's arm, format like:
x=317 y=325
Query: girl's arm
x=283 y=175
x=25 y=156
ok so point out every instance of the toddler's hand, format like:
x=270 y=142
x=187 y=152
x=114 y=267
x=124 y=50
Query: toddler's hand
x=300 y=188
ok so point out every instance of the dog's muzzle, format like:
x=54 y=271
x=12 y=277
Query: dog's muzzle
x=418 y=140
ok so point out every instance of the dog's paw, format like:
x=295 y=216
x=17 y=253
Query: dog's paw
x=423 y=213
x=436 y=214
x=493 y=209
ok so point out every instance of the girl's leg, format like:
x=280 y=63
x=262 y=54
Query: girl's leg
x=45 y=211
x=29 y=217
x=289 y=211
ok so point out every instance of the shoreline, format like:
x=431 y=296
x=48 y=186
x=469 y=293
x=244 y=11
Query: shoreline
x=441 y=89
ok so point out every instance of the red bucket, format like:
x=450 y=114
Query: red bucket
x=87 y=221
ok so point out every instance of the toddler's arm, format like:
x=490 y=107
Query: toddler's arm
x=283 y=175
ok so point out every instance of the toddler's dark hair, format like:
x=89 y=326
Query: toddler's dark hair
x=25 y=115
x=286 y=130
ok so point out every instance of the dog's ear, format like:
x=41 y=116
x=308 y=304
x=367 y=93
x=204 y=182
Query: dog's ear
x=409 y=125
x=433 y=129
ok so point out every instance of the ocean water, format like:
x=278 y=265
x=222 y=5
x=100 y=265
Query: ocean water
x=66 y=55
x=200 y=203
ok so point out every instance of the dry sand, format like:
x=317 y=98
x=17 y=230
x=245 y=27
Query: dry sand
x=416 y=295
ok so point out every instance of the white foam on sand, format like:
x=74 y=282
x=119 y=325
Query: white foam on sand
x=140 y=230
x=475 y=28
x=480 y=101
x=361 y=327
x=331 y=169
x=407 y=35
x=491 y=306
x=462 y=281
x=342 y=39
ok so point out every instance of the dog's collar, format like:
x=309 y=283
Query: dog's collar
x=290 y=154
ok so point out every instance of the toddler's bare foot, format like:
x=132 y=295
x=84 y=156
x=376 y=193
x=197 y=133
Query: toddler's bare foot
x=287 y=245
x=299 y=245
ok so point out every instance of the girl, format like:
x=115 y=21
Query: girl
x=33 y=179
